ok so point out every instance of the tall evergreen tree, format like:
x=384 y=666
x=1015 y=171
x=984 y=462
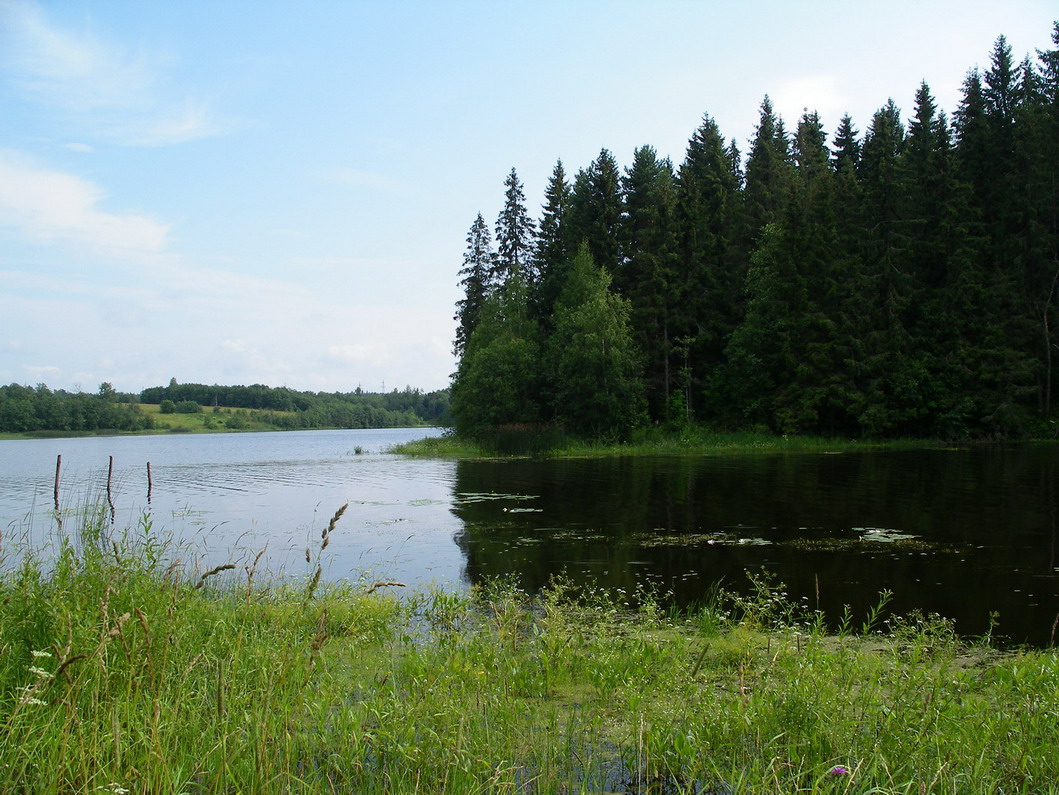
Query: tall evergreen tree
x=647 y=276
x=476 y=273
x=708 y=304
x=515 y=234
x=767 y=172
x=596 y=210
x=553 y=243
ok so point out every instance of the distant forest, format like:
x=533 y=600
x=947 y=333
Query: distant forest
x=26 y=409
x=899 y=282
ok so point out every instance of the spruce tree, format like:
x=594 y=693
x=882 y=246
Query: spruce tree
x=767 y=172
x=515 y=234
x=648 y=275
x=709 y=216
x=476 y=273
x=596 y=210
x=553 y=244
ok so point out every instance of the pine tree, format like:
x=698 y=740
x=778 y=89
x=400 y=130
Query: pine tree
x=477 y=270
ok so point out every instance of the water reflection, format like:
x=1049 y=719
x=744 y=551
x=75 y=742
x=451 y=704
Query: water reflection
x=960 y=532
x=975 y=529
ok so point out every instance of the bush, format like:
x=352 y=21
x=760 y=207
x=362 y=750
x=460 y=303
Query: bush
x=188 y=407
x=167 y=407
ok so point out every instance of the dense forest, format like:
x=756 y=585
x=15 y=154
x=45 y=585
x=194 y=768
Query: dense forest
x=899 y=282
x=26 y=409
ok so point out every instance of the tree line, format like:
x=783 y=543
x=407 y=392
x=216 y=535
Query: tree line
x=899 y=282
x=356 y=409
x=25 y=409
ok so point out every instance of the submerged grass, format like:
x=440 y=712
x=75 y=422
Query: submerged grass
x=121 y=672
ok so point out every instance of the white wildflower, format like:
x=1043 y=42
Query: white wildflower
x=40 y=672
x=36 y=653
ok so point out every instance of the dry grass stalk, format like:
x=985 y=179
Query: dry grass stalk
x=389 y=584
x=326 y=535
x=213 y=571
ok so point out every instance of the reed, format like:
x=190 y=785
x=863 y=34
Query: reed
x=119 y=674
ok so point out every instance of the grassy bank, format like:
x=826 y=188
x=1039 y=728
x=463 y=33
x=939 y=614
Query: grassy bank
x=122 y=672
x=211 y=420
x=647 y=442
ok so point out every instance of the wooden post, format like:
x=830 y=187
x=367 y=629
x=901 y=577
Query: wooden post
x=149 y=484
x=110 y=476
x=58 y=466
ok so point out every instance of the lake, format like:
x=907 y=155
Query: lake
x=963 y=533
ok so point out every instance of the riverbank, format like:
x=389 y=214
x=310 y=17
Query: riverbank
x=123 y=672
x=650 y=442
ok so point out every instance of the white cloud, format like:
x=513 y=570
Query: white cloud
x=53 y=206
x=108 y=91
x=821 y=93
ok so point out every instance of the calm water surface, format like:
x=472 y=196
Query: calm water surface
x=964 y=533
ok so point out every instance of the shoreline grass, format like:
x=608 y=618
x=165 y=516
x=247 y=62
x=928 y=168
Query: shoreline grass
x=122 y=671
x=652 y=442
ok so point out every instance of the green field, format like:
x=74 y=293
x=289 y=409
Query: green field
x=210 y=420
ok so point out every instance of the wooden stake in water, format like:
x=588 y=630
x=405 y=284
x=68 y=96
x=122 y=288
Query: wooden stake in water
x=149 y=484
x=58 y=466
x=110 y=477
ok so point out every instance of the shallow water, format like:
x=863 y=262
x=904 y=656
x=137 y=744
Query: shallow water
x=964 y=533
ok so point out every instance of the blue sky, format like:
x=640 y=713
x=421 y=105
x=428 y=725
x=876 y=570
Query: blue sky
x=276 y=192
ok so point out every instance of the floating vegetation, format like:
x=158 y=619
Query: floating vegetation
x=660 y=538
x=865 y=541
x=883 y=535
x=466 y=498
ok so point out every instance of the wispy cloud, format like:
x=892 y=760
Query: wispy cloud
x=53 y=206
x=107 y=90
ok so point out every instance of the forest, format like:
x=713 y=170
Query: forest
x=896 y=283
x=26 y=409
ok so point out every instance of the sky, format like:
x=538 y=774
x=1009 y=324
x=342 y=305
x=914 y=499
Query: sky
x=270 y=192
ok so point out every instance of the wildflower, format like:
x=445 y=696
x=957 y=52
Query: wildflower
x=838 y=770
x=36 y=653
x=40 y=672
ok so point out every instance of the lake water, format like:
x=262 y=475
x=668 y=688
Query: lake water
x=964 y=533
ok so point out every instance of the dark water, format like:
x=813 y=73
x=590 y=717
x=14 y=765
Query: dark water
x=963 y=533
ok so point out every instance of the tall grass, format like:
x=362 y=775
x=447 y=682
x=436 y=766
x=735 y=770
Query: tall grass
x=547 y=441
x=122 y=672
